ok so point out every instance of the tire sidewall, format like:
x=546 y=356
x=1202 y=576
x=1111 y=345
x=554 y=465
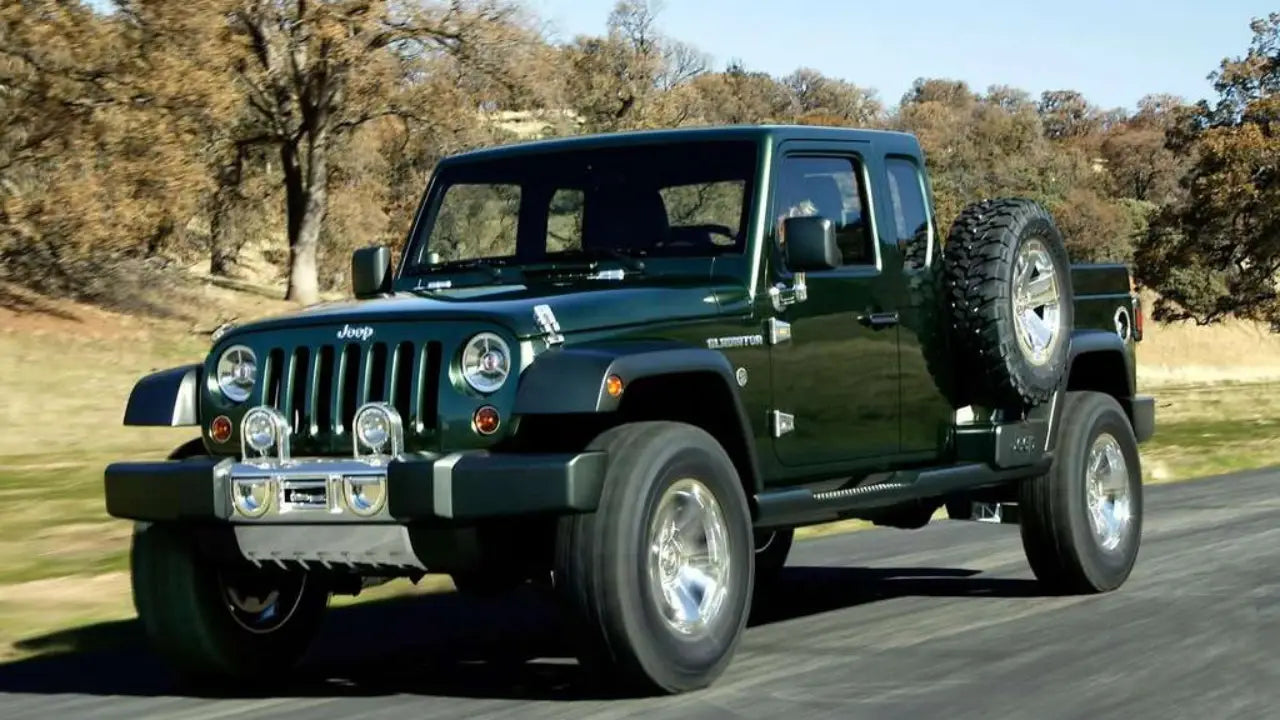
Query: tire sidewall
x=1042 y=379
x=179 y=599
x=1098 y=414
x=664 y=654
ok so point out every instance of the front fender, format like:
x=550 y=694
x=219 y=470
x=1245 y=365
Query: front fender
x=572 y=380
x=168 y=398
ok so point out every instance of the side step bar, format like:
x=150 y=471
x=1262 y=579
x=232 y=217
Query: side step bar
x=793 y=507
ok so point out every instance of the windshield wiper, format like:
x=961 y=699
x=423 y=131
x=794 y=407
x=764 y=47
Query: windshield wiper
x=603 y=253
x=493 y=266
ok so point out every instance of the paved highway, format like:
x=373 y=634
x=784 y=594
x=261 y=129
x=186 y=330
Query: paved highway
x=941 y=622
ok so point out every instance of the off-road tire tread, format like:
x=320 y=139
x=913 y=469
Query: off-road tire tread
x=978 y=259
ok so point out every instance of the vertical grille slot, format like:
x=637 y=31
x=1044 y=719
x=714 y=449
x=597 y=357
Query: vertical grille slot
x=401 y=383
x=321 y=407
x=295 y=388
x=350 y=385
x=428 y=394
x=272 y=371
x=377 y=373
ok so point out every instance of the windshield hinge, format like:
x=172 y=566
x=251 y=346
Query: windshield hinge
x=547 y=323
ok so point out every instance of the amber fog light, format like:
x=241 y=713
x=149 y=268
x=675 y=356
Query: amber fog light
x=486 y=420
x=220 y=428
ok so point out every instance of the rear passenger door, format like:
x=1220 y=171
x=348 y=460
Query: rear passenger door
x=926 y=414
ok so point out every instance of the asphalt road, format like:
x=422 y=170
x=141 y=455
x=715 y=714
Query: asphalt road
x=940 y=622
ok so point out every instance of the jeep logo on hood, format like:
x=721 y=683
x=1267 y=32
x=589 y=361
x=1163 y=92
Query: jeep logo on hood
x=361 y=333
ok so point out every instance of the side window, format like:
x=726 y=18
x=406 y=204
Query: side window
x=910 y=209
x=564 y=221
x=827 y=187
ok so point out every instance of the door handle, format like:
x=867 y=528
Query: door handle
x=878 y=320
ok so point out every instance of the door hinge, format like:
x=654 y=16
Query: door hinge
x=779 y=331
x=782 y=296
x=782 y=423
x=547 y=323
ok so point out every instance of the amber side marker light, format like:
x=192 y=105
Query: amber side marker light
x=486 y=420
x=613 y=385
x=220 y=428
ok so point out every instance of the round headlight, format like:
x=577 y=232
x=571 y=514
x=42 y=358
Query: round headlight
x=365 y=495
x=237 y=372
x=373 y=427
x=259 y=430
x=486 y=362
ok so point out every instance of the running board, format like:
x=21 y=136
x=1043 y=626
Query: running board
x=793 y=507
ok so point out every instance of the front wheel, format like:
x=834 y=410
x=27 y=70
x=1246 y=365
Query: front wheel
x=772 y=549
x=214 y=623
x=1082 y=522
x=660 y=576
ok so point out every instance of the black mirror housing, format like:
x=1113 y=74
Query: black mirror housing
x=371 y=271
x=811 y=244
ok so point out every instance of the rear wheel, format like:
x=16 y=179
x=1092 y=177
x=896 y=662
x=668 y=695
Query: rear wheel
x=660 y=575
x=214 y=623
x=1081 y=523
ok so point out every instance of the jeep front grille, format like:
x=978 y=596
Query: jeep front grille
x=319 y=388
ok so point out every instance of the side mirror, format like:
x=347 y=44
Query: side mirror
x=810 y=244
x=371 y=271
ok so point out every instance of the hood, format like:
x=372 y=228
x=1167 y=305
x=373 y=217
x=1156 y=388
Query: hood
x=576 y=308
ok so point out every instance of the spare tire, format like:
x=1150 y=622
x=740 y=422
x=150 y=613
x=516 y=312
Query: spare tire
x=1008 y=286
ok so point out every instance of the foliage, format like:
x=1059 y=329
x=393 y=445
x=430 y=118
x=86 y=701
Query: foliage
x=1216 y=251
x=224 y=132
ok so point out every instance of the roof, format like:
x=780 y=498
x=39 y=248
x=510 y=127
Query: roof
x=686 y=134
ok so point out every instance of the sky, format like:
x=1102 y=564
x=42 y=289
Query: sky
x=1114 y=52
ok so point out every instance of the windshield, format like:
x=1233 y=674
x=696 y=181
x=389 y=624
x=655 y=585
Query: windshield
x=644 y=200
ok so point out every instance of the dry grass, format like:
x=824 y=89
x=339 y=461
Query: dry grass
x=66 y=371
x=1183 y=354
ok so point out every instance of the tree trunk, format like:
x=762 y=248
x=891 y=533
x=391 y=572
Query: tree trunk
x=307 y=201
x=303 y=285
x=223 y=250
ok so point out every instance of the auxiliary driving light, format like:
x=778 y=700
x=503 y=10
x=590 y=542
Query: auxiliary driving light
x=251 y=496
x=378 y=429
x=261 y=429
x=364 y=494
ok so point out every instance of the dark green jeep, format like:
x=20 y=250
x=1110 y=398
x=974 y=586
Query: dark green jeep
x=628 y=366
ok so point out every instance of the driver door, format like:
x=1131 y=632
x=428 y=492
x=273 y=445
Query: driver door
x=835 y=381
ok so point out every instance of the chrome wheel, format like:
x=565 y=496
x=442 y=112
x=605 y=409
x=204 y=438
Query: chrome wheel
x=689 y=567
x=1036 y=302
x=1107 y=492
x=262 y=605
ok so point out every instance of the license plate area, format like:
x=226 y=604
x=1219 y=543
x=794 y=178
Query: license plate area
x=303 y=494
